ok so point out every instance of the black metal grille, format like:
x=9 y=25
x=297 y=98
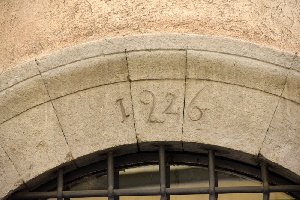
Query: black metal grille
x=113 y=192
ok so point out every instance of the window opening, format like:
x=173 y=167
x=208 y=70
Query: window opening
x=108 y=174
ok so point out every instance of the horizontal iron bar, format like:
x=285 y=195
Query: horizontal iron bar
x=137 y=192
x=285 y=188
x=154 y=192
x=30 y=195
x=258 y=189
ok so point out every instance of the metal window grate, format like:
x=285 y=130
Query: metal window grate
x=113 y=192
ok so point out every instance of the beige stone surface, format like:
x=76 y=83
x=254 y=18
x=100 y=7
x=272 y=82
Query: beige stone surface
x=282 y=143
x=97 y=116
x=170 y=41
x=227 y=115
x=18 y=74
x=34 y=28
x=22 y=97
x=292 y=87
x=34 y=141
x=157 y=65
x=97 y=119
x=236 y=70
x=158 y=111
x=86 y=74
x=9 y=177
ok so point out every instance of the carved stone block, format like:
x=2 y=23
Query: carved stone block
x=8 y=175
x=292 y=87
x=85 y=74
x=22 y=97
x=236 y=70
x=158 y=111
x=97 y=119
x=226 y=115
x=34 y=141
x=282 y=143
x=157 y=65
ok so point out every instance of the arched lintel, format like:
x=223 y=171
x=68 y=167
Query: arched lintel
x=190 y=89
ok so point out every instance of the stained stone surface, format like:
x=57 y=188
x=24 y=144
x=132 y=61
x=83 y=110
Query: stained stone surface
x=18 y=74
x=158 y=110
x=22 y=97
x=97 y=119
x=236 y=70
x=157 y=65
x=34 y=141
x=85 y=74
x=227 y=115
x=8 y=175
x=282 y=143
x=292 y=87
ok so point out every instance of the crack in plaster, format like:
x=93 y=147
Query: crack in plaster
x=134 y=125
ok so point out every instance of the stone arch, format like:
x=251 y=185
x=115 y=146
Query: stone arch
x=184 y=90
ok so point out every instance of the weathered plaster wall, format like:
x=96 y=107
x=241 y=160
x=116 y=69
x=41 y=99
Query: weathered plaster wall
x=32 y=28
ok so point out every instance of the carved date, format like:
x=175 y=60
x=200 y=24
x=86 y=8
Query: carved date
x=170 y=109
x=194 y=112
x=123 y=112
x=151 y=118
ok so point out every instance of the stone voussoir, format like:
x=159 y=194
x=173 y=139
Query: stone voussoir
x=18 y=74
x=21 y=97
x=225 y=115
x=158 y=110
x=34 y=141
x=236 y=70
x=9 y=177
x=282 y=143
x=97 y=119
x=292 y=87
x=86 y=74
x=158 y=64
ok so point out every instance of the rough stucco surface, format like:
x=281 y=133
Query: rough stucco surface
x=32 y=28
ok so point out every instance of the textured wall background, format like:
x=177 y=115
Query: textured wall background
x=33 y=28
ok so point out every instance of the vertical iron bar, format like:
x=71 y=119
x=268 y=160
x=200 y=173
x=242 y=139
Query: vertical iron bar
x=110 y=175
x=162 y=172
x=60 y=183
x=168 y=183
x=116 y=183
x=216 y=183
x=212 y=173
x=265 y=180
x=67 y=198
